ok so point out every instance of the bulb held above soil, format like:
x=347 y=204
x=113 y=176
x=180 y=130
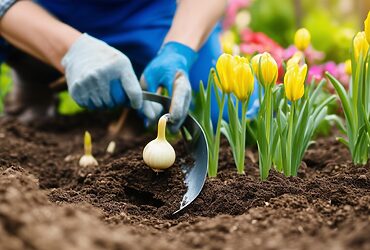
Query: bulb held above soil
x=159 y=154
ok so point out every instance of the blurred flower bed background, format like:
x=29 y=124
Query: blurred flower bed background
x=255 y=26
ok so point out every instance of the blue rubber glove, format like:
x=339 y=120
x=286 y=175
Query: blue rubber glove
x=170 y=69
x=100 y=76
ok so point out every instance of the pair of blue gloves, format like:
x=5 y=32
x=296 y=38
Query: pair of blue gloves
x=100 y=76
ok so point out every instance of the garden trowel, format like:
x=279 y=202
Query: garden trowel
x=196 y=145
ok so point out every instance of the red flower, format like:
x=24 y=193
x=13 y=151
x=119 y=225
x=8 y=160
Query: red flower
x=258 y=42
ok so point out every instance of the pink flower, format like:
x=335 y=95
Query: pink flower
x=232 y=9
x=257 y=42
x=332 y=68
x=341 y=75
x=312 y=56
x=317 y=73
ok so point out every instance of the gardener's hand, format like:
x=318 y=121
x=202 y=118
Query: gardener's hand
x=100 y=76
x=170 y=69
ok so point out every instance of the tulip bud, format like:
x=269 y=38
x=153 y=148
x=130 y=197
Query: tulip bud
x=294 y=82
x=225 y=70
x=297 y=58
x=244 y=80
x=159 y=154
x=360 y=45
x=302 y=39
x=348 y=67
x=367 y=27
x=240 y=59
x=265 y=68
x=228 y=42
x=255 y=63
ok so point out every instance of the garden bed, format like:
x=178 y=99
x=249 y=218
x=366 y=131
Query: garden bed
x=48 y=202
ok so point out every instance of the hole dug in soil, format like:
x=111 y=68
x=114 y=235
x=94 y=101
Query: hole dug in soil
x=48 y=202
x=140 y=198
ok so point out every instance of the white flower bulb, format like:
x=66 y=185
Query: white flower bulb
x=111 y=147
x=159 y=154
x=88 y=160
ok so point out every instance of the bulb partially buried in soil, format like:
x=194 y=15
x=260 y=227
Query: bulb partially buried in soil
x=88 y=160
x=159 y=154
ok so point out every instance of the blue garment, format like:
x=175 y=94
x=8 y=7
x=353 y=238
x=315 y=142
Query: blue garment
x=135 y=27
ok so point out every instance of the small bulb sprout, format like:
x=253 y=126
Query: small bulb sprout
x=88 y=160
x=159 y=154
x=111 y=147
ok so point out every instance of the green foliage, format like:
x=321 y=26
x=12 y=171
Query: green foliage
x=356 y=107
x=67 y=106
x=331 y=24
x=5 y=84
x=274 y=18
x=296 y=123
x=283 y=130
x=203 y=115
x=328 y=35
x=235 y=130
x=325 y=126
x=266 y=132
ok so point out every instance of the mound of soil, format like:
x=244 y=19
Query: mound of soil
x=48 y=202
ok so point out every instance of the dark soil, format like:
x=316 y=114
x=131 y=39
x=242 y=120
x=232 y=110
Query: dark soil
x=48 y=202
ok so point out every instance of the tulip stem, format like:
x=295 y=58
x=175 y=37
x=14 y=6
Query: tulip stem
x=265 y=134
x=260 y=95
x=268 y=112
x=288 y=168
x=241 y=161
x=213 y=165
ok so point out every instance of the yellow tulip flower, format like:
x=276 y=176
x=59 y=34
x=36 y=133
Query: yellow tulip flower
x=244 y=80
x=241 y=59
x=255 y=63
x=348 y=67
x=227 y=48
x=294 y=82
x=228 y=42
x=360 y=45
x=268 y=74
x=225 y=69
x=367 y=27
x=297 y=58
x=302 y=39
